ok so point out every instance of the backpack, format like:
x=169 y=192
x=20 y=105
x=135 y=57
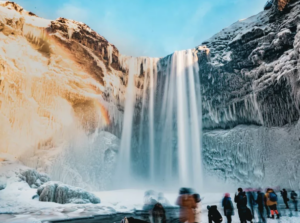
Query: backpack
x=273 y=197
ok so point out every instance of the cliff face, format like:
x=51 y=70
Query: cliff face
x=250 y=89
x=248 y=76
x=70 y=82
x=54 y=77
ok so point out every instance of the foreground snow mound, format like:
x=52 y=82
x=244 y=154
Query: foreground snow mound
x=152 y=197
x=61 y=193
x=34 y=178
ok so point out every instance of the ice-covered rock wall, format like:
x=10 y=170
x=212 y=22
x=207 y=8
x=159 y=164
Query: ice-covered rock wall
x=249 y=74
x=54 y=78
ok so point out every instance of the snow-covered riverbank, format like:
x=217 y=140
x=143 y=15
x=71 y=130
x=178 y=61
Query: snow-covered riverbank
x=17 y=204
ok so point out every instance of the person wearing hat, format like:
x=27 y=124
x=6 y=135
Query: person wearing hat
x=228 y=207
x=241 y=203
x=187 y=204
x=261 y=204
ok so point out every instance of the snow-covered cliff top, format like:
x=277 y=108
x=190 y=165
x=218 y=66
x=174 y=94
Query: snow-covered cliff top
x=14 y=11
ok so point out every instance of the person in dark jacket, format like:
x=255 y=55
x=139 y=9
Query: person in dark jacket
x=294 y=197
x=251 y=200
x=228 y=207
x=214 y=215
x=261 y=204
x=284 y=195
x=158 y=214
x=241 y=202
x=267 y=208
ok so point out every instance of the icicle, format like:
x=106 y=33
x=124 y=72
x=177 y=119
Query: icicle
x=110 y=53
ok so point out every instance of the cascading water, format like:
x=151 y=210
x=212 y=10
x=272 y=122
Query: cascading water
x=124 y=167
x=161 y=137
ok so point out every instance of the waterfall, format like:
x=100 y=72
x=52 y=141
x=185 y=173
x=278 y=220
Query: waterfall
x=161 y=136
x=124 y=168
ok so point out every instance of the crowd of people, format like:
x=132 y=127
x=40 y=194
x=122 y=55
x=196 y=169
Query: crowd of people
x=248 y=202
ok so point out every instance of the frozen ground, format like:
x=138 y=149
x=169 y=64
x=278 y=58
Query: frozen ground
x=17 y=205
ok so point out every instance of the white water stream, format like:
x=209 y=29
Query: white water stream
x=161 y=136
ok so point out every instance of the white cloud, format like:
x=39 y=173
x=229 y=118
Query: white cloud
x=71 y=11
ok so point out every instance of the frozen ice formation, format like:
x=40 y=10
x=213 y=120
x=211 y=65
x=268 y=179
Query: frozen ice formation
x=63 y=194
x=34 y=178
x=257 y=85
x=251 y=102
x=88 y=162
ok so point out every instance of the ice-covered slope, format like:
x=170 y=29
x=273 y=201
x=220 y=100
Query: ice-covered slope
x=250 y=90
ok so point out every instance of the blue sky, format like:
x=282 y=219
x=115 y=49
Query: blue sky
x=153 y=28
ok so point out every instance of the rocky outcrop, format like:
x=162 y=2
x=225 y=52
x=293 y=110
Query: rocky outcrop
x=89 y=49
x=63 y=194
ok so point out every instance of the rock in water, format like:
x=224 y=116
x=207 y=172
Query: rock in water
x=61 y=193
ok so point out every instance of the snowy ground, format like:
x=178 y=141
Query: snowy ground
x=17 y=205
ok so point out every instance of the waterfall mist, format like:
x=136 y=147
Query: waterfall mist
x=161 y=135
